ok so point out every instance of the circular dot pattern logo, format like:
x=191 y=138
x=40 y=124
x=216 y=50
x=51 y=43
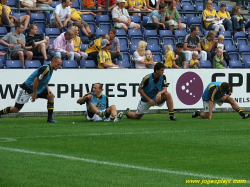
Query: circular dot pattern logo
x=189 y=88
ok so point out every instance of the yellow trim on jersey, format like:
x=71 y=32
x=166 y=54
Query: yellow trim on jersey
x=138 y=3
x=192 y=62
x=75 y=14
x=223 y=15
x=94 y=46
x=205 y=43
x=144 y=79
x=214 y=92
x=77 y=44
x=208 y=14
x=103 y=57
x=44 y=73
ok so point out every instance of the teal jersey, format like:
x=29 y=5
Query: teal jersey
x=212 y=92
x=100 y=102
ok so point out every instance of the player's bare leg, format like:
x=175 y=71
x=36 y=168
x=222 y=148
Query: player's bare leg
x=170 y=104
x=236 y=107
x=133 y=115
x=50 y=107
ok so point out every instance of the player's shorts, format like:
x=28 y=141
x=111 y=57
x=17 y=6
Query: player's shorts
x=143 y=107
x=96 y=118
x=119 y=25
x=206 y=105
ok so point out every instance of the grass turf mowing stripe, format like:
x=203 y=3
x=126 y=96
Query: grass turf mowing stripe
x=117 y=164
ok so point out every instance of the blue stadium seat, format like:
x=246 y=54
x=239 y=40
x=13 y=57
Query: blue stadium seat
x=188 y=8
x=216 y=7
x=135 y=19
x=3 y=48
x=18 y=15
x=92 y=27
x=190 y=15
x=126 y=57
x=69 y=64
x=55 y=3
x=205 y=64
x=186 y=3
x=193 y=21
x=100 y=32
x=247 y=64
x=240 y=34
x=88 y=18
x=153 y=41
x=84 y=47
x=234 y=56
x=46 y=62
x=12 y=3
x=102 y=19
x=154 y=48
x=170 y=41
x=150 y=34
x=132 y=48
x=245 y=57
x=231 y=48
x=76 y=4
x=244 y=49
x=242 y=41
x=165 y=33
x=144 y=21
x=87 y=64
x=157 y=57
x=199 y=8
x=235 y=64
x=51 y=39
x=124 y=64
x=1 y=65
x=123 y=44
x=41 y=26
x=105 y=26
x=179 y=33
x=14 y=64
x=226 y=34
x=3 y=32
x=121 y=33
x=52 y=32
x=229 y=8
x=3 y=59
x=183 y=19
x=135 y=41
x=134 y=34
x=178 y=7
x=32 y=64
x=37 y=17
x=48 y=18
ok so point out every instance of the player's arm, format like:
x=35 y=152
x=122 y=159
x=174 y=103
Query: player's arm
x=212 y=91
x=164 y=89
x=85 y=98
x=144 y=84
x=35 y=86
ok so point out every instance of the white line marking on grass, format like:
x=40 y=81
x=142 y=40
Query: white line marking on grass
x=4 y=139
x=119 y=165
x=131 y=133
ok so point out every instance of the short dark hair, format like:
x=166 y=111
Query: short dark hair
x=158 y=66
x=18 y=25
x=64 y=1
x=162 y=5
x=193 y=28
x=225 y=86
x=113 y=30
x=100 y=85
x=179 y=45
x=170 y=2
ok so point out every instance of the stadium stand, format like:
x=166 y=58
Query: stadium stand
x=32 y=64
x=87 y=64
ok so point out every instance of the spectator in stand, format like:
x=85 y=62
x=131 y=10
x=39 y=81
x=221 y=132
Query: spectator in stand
x=181 y=61
x=139 y=57
x=156 y=20
x=7 y=19
x=81 y=24
x=89 y=5
x=220 y=45
x=46 y=5
x=78 y=54
x=169 y=55
x=208 y=44
x=239 y=22
x=61 y=16
x=225 y=16
x=29 y=4
x=104 y=57
x=137 y=5
x=62 y=46
x=194 y=63
x=16 y=42
x=94 y=47
x=192 y=43
x=169 y=1
x=152 y=4
x=211 y=20
x=101 y=5
x=172 y=15
x=121 y=17
x=114 y=48
x=218 y=60
x=36 y=42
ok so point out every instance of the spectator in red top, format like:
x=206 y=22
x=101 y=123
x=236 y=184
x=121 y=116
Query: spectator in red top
x=101 y=5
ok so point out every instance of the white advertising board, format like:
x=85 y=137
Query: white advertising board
x=121 y=85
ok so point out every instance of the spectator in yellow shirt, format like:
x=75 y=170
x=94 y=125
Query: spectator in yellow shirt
x=169 y=55
x=194 y=62
x=208 y=44
x=76 y=18
x=137 y=5
x=211 y=20
x=104 y=57
x=225 y=16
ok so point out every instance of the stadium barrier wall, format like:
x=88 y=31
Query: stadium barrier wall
x=121 y=85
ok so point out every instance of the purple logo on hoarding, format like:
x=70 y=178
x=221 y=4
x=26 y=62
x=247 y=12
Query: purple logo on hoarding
x=189 y=88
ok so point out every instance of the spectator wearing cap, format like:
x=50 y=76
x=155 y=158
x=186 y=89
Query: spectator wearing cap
x=225 y=16
x=121 y=17
x=156 y=20
x=104 y=57
x=173 y=18
x=181 y=61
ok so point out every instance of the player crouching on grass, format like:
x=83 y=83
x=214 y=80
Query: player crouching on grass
x=153 y=90
x=97 y=104
x=217 y=93
x=36 y=86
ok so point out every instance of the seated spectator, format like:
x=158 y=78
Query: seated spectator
x=63 y=47
x=156 y=20
x=137 y=5
x=225 y=16
x=239 y=22
x=192 y=43
x=7 y=19
x=94 y=47
x=208 y=44
x=29 y=4
x=89 y=5
x=78 y=54
x=152 y=4
x=121 y=17
x=139 y=57
x=149 y=57
x=194 y=63
x=218 y=60
x=102 y=4
x=114 y=48
x=61 y=16
x=181 y=61
x=81 y=24
x=37 y=43
x=172 y=15
x=169 y=55
x=45 y=4
x=16 y=43
x=210 y=18
x=220 y=45
x=104 y=57
x=169 y=1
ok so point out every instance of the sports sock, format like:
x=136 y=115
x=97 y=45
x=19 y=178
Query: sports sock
x=5 y=111
x=50 y=107
x=171 y=113
x=240 y=111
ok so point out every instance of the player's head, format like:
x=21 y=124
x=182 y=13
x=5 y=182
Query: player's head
x=56 y=63
x=224 y=87
x=159 y=67
x=97 y=89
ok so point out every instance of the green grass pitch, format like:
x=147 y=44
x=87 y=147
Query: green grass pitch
x=150 y=152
